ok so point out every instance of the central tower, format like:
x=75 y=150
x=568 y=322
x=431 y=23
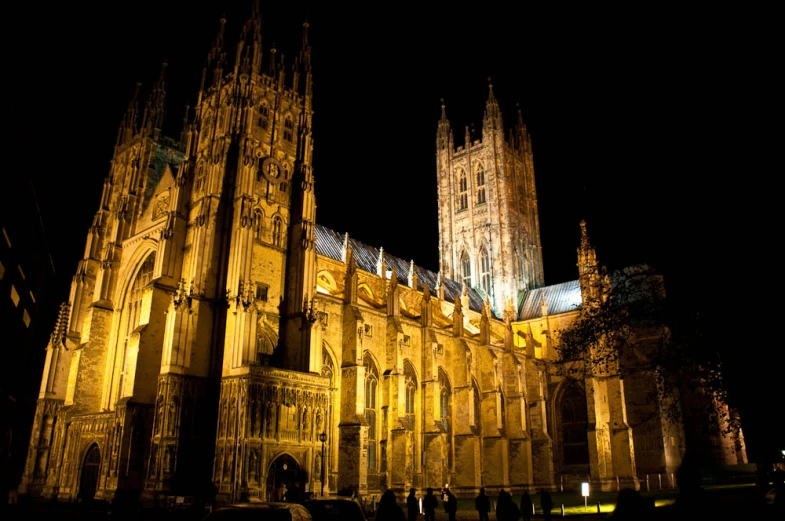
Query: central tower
x=489 y=231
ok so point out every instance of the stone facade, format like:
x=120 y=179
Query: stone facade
x=214 y=331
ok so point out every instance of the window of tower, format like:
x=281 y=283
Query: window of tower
x=463 y=191
x=371 y=384
x=199 y=181
x=285 y=183
x=288 y=129
x=485 y=271
x=264 y=116
x=278 y=231
x=257 y=225
x=480 y=184
x=466 y=269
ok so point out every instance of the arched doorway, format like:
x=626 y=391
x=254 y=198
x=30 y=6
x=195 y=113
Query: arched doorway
x=88 y=483
x=285 y=472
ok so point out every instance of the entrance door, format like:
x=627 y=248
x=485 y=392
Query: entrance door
x=285 y=479
x=88 y=484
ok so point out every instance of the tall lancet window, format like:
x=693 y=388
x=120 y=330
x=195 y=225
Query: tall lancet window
x=264 y=115
x=285 y=183
x=288 y=129
x=278 y=231
x=485 y=271
x=445 y=412
x=371 y=385
x=480 y=184
x=466 y=269
x=132 y=310
x=463 y=191
x=257 y=225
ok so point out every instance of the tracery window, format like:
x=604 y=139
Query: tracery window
x=445 y=412
x=264 y=116
x=131 y=315
x=480 y=184
x=277 y=231
x=485 y=271
x=285 y=183
x=463 y=191
x=574 y=425
x=257 y=225
x=371 y=384
x=199 y=180
x=466 y=269
x=288 y=129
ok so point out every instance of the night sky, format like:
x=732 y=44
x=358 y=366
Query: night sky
x=656 y=127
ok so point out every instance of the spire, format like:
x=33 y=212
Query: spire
x=215 y=61
x=303 y=81
x=412 y=276
x=272 y=66
x=154 y=110
x=130 y=118
x=588 y=270
x=493 y=117
x=346 y=246
x=443 y=133
x=381 y=266
x=249 y=46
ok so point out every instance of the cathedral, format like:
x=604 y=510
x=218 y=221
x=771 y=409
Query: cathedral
x=216 y=335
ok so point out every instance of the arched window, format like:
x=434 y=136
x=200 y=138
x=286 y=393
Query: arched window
x=277 y=231
x=480 y=184
x=445 y=412
x=485 y=271
x=288 y=129
x=463 y=191
x=574 y=426
x=199 y=180
x=371 y=385
x=264 y=115
x=502 y=410
x=466 y=269
x=327 y=366
x=131 y=314
x=411 y=391
x=477 y=409
x=257 y=225
x=285 y=183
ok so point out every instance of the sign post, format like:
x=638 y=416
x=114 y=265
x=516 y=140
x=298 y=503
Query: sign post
x=585 y=494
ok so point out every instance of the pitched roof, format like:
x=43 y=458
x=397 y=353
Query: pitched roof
x=559 y=298
x=330 y=244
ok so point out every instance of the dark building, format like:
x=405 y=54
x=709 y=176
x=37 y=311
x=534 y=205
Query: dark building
x=26 y=314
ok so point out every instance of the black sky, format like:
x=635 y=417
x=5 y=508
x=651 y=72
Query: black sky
x=657 y=127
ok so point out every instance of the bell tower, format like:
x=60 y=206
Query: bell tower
x=489 y=228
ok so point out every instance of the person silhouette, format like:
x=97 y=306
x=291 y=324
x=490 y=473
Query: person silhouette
x=483 y=504
x=412 y=505
x=546 y=502
x=632 y=506
x=526 y=506
x=506 y=508
x=450 y=504
x=388 y=508
x=429 y=505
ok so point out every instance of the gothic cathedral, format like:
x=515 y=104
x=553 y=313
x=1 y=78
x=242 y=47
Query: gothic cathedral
x=216 y=336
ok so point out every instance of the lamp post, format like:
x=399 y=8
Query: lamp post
x=323 y=438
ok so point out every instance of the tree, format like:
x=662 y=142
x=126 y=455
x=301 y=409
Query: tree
x=628 y=328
